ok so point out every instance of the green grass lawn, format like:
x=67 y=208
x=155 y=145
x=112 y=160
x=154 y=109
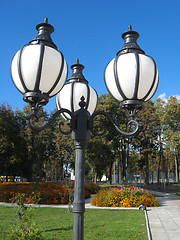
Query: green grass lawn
x=100 y=224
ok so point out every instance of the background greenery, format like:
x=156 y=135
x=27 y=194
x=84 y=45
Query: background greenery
x=49 y=155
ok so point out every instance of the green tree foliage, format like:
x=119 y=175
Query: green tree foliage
x=112 y=138
x=13 y=149
x=160 y=163
x=145 y=141
x=99 y=157
x=64 y=149
x=48 y=151
x=172 y=130
x=39 y=145
x=48 y=155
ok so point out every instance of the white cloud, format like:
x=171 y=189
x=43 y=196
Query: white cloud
x=178 y=96
x=164 y=98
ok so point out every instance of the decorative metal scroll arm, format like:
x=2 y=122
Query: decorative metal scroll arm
x=132 y=123
x=36 y=128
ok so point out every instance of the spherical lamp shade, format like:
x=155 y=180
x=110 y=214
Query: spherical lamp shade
x=71 y=93
x=132 y=77
x=38 y=69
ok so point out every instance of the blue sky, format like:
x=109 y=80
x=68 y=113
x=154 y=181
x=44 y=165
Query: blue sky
x=91 y=31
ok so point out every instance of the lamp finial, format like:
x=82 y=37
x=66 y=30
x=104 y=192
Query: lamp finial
x=130 y=28
x=82 y=103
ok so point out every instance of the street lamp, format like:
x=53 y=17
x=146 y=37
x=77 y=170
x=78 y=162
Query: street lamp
x=38 y=71
x=132 y=77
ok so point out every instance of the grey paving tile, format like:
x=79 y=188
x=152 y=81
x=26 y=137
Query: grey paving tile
x=160 y=237
x=164 y=221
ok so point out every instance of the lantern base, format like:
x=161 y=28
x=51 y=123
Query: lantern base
x=36 y=99
x=132 y=106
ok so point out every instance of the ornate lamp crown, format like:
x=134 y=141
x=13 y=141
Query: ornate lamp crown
x=130 y=42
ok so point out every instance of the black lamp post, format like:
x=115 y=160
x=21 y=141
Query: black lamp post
x=38 y=71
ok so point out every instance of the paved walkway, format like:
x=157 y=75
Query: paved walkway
x=164 y=221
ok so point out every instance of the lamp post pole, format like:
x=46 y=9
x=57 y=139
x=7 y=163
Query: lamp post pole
x=79 y=203
x=80 y=135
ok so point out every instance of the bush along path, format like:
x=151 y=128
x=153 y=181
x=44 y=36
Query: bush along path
x=124 y=197
x=48 y=192
x=62 y=193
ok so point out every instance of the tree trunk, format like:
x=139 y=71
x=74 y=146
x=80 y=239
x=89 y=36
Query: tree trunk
x=166 y=168
x=152 y=176
x=61 y=177
x=114 y=175
x=123 y=165
x=158 y=173
x=110 y=173
x=146 y=168
x=177 y=168
x=118 y=170
x=95 y=177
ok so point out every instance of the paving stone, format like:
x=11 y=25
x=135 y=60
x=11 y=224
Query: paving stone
x=164 y=221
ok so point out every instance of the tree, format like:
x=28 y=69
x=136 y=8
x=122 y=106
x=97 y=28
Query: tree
x=49 y=152
x=145 y=141
x=64 y=151
x=40 y=145
x=111 y=137
x=13 y=149
x=98 y=155
x=160 y=157
x=172 y=133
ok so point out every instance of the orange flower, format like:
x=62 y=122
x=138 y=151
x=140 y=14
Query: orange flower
x=124 y=197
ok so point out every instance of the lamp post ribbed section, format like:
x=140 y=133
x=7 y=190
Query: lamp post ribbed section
x=79 y=203
x=80 y=135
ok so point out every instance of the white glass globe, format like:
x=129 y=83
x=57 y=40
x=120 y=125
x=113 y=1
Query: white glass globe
x=39 y=69
x=70 y=96
x=131 y=76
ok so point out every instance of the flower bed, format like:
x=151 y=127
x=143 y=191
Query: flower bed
x=48 y=192
x=124 y=197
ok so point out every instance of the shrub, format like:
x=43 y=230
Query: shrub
x=48 y=192
x=26 y=229
x=91 y=187
x=124 y=197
